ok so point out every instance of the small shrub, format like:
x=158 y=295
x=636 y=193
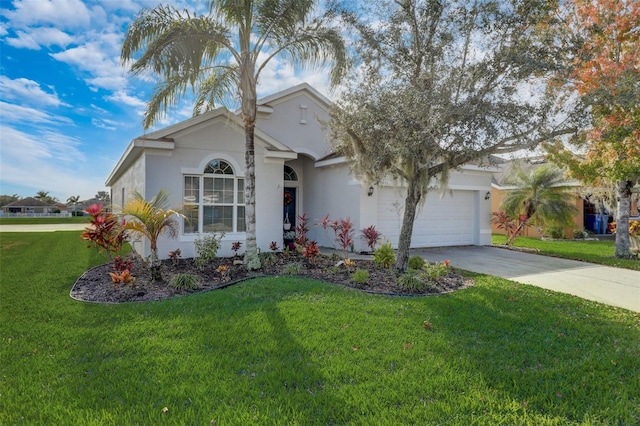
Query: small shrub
x=223 y=270
x=580 y=234
x=124 y=277
x=174 y=256
x=360 y=276
x=207 y=247
x=349 y=263
x=235 y=246
x=302 y=229
x=121 y=264
x=273 y=246
x=412 y=281
x=311 y=251
x=555 y=232
x=294 y=268
x=184 y=282
x=416 y=262
x=433 y=271
x=384 y=255
x=267 y=258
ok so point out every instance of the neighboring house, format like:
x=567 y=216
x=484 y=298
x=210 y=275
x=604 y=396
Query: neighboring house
x=28 y=206
x=200 y=162
x=500 y=186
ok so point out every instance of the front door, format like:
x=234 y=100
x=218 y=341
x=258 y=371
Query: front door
x=289 y=217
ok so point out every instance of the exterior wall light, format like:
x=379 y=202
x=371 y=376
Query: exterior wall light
x=370 y=192
x=487 y=195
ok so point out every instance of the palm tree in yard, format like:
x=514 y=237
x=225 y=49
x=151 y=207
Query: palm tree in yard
x=73 y=201
x=542 y=195
x=152 y=219
x=223 y=53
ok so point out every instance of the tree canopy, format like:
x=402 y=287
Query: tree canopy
x=440 y=84
x=599 y=42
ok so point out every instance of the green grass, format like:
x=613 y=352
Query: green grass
x=600 y=252
x=42 y=220
x=294 y=351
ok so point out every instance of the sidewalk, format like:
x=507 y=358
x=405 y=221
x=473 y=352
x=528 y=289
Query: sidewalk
x=44 y=227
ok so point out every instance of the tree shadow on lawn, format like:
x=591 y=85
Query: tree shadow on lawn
x=558 y=359
x=170 y=354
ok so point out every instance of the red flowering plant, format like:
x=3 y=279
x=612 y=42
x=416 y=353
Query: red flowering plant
x=342 y=233
x=107 y=234
x=311 y=251
x=371 y=236
x=301 y=231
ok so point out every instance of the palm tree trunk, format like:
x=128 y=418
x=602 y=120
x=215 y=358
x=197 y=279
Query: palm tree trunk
x=249 y=108
x=623 y=195
x=404 y=242
x=156 y=272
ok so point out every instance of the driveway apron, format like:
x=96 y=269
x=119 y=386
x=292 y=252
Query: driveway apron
x=613 y=286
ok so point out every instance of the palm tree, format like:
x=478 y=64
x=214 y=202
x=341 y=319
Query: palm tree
x=222 y=54
x=73 y=200
x=152 y=219
x=542 y=195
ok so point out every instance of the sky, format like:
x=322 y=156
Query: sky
x=68 y=108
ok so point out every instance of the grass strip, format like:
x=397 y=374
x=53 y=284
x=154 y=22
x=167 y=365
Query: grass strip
x=600 y=252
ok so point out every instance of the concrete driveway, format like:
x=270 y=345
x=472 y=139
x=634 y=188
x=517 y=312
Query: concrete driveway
x=613 y=286
x=44 y=227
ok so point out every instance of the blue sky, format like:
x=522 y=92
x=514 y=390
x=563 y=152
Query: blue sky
x=68 y=108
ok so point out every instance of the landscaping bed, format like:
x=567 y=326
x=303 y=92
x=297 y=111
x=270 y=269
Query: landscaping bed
x=95 y=285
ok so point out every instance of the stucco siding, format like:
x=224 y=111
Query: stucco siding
x=294 y=122
x=330 y=190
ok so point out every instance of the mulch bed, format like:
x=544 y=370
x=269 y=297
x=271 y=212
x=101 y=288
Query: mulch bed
x=95 y=284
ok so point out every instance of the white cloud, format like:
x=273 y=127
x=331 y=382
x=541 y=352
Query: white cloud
x=47 y=161
x=35 y=38
x=122 y=97
x=60 y=13
x=27 y=91
x=12 y=113
x=100 y=63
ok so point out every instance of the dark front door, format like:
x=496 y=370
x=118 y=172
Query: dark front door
x=289 y=208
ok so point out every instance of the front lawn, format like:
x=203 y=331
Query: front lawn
x=600 y=252
x=294 y=351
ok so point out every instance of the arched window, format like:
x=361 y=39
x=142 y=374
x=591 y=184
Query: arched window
x=214 y=200
x=290 y=174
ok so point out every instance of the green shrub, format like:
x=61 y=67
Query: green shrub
x=412 y=281
x=433 y=271
x=360 y=276
x=185 y=281
x=555 y=232
x=580 y=234
x=416 y=262
x=267 y=258
x=207 y=247
x=294 y=268
x=384 y=255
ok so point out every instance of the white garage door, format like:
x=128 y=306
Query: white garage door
x=446 y=221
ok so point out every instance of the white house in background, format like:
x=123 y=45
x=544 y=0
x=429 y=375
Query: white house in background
x=200 y=162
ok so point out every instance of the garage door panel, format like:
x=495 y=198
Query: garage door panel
x=441 y=221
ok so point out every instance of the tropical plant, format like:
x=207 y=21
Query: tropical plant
x=224 y=53
x=151 y=219
x=384 y=255
x=207 y=247
x=342 y=233
x=542 y=195
x=300 y=235
x=105 y=231
x=371 y=236
x=73 y=201
x=174 y=256
x=293 y=268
